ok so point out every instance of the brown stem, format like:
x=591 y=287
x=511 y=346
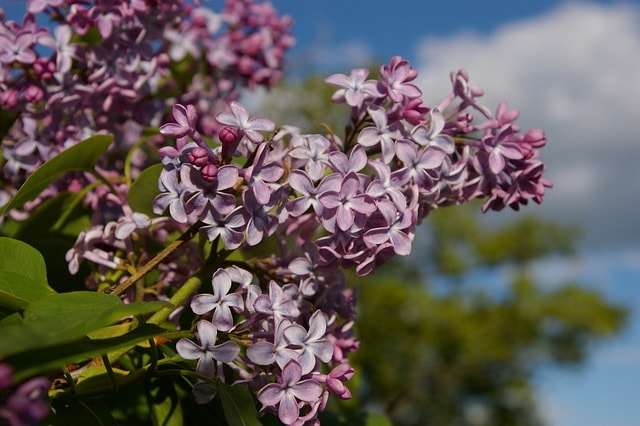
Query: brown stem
x=151 y=264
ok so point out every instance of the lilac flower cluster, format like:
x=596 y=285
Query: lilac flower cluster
x=24 y=404
x=117 y=67
x=328 y=203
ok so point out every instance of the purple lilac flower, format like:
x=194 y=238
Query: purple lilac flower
x=346 y=203
x=207 y=351
x=220 y=302
x=381 y=133
x=287 y=393
x=24 y=404
x=311 y=343
x=314 y=151
x=250 y=127
x=353 y=88
x=396 y=231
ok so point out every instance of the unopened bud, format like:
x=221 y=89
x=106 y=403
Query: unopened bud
x=209 y=172
x=228 y=135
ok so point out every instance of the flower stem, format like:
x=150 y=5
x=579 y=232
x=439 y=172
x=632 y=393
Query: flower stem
x=151 y=264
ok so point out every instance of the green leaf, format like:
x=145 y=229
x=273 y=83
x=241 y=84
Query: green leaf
x=238 y=405
x=144 y=189
x=65 y=317
x=91 y=412
x=23 y=275
x=6 y=121
x=164 y=405
x=41 y=360
x=80 y=157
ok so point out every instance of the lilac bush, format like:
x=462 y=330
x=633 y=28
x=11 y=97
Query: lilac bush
x=232 y=261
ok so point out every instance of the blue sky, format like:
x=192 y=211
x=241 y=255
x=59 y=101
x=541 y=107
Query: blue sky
x=572 y=69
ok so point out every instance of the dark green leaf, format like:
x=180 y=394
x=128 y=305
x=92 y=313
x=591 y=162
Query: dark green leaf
x=164 y=405
x=80 y=157
x=66 y=317
x=238 y=405
x=144 y=189
x=39 y=360
x=23 y=275
x=91 y=412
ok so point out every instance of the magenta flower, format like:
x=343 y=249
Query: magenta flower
x=239 y=118
x=286 y=393
x=207 y=351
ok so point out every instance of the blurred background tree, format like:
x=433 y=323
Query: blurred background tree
x=440 y=346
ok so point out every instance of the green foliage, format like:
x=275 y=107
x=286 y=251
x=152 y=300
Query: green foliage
x=468 y=356
x=80 y=157
x=23 y=275
x=144 y=189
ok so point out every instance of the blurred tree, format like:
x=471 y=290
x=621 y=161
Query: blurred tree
x=459 y=353
x=465 y=355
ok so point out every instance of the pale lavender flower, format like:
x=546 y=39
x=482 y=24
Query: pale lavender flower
x=301 y=182
x=171 y=195
x=202 y=194
x=261 y=174
x=288 y=391
x=220 y=303
x=354 y=89
x=346 y=203
x=433 y=136
x=312 y=344
x=228 y=227
x=276 y=304
x=239 y=118
x=260 y=223
x=396 y=230
x=395 y=80
x=419 y=165
x=185 y=122
x=207 y=351
x=381 y=133
x=17 y=48
x=314 y=150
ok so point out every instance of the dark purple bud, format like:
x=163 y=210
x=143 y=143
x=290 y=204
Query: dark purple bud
x=209 y=172
x=9 y=98
x=199 y=156
x=228 y=135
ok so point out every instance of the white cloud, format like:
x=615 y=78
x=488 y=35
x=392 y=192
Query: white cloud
x=573 y=72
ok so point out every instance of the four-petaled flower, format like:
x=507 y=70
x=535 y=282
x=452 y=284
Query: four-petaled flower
x=207 y=351
x=251 y=127
x=220 y=302
x=288 y=391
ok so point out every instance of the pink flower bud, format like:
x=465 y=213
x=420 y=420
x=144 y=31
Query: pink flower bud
x=228 y=135
x=33 y=94
x=209 y=172
x=536 y=138
x=199 y=156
